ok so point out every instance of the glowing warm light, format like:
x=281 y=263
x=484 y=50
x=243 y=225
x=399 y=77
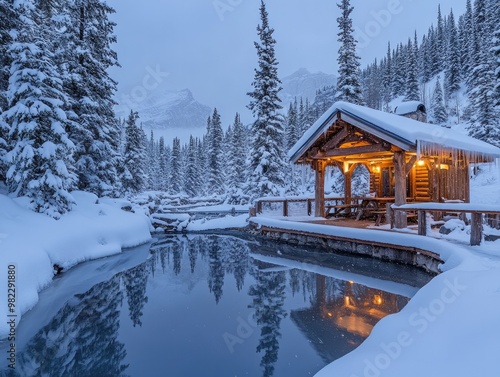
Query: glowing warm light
x=377 y=299
x=329 y=314
x=351 y=282
x=347 y=300
x=376 y=169
x=444 y=166
x=421 y=163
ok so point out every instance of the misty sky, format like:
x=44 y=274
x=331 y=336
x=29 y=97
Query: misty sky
x=207 y=45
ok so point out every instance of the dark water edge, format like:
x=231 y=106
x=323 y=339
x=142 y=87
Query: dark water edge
x=210 y=305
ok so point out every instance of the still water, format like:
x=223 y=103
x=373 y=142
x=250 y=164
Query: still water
x=209 y=305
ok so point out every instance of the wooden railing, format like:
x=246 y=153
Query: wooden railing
x=329 y=200
x=476 y=211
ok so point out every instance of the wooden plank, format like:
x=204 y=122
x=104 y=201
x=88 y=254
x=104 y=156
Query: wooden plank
x=356 y=150
x=335 y=140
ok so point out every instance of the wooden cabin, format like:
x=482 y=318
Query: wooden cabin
x=412 y=109
x=406 y=158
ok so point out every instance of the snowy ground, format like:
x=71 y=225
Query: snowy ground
x=33 y=243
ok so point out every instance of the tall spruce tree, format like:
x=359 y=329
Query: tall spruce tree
x=452 y=73
x=349 y=80
x=191 y=176
x=41 y=164
x=266 y=161
x=176 y=168
x=89 y=55
x=412 y=89
x=134 y=177
x=438 y=109
x=214 y=157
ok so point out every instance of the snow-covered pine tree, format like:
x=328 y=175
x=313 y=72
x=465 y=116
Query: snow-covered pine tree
x=387 y=79
x=214 y=156
x=412 y=89
x=483 y=124
x=398 y=82
x=89 y=38
x=151 y=161
x=176 y=168
x=438 y=109
x=291 y=131
x=162 y=178
x=452 y=73
x=7 y=23
x=349 y=80
x=238 y=160
x=134 y=177
x=440 y=45
x=267 y=163
x=496 y=63
x=191 y=175
x=41 y=164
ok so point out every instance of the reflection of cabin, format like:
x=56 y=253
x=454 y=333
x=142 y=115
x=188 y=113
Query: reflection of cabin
x=406 y=158
x=335 y=326
x=413 y=110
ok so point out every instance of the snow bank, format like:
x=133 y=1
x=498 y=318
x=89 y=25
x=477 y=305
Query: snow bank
x=33 y=243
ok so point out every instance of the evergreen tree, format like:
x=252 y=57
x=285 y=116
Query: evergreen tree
x=41 y=164
x=191 y=176
x=438 y=108
x=89 y=55
x=162 y=178
x=7 y=23
x=452 y=74
x=387 y=78
x=348 y=82
x=214 y=157
x=238 y=156
x=176 y=168
x=496 y=64
x=266 y=160
x=134 y=178
x=291 y=127
x=412 y=89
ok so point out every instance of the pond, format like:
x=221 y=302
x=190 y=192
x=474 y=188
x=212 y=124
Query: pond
x=209 y=305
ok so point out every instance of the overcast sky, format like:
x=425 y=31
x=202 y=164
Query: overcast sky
x=207 y=45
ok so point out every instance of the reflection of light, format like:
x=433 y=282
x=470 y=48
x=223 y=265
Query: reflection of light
x=377 y=299
x=347 y=300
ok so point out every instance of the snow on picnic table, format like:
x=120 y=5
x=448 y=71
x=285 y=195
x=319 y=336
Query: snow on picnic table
x=449 y=328
x=33 y=243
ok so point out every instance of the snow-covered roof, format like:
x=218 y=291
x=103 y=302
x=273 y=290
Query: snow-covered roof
x=409 y=107
x=405 y=133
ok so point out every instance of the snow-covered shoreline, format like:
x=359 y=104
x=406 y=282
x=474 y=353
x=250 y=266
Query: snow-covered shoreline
x=449 y=328
x=33 y=243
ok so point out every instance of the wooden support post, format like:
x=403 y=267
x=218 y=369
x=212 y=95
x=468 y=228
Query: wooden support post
x=348 y=186
x=319 y=208
x=309 y=207
x=400 y=188
x=259 y=206
x=422 y=222
x=476 y=229
x=285 y=208
x=389 y=214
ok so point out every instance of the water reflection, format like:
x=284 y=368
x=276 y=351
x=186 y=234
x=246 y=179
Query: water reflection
x=294 y=312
